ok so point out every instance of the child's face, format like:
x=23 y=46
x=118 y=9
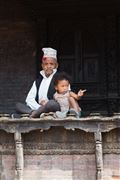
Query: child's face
x=62 y=86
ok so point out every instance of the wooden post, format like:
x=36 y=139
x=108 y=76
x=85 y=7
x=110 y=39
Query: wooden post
x=19 y=156
x=99 y=156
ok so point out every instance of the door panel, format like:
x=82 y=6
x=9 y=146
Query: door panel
x=80 y=53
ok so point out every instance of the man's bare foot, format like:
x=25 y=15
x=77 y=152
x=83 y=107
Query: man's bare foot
x=34 y=114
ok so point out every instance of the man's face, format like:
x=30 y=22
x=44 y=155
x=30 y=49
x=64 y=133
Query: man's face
x=48 y=64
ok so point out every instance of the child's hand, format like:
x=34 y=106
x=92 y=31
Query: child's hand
x=81 y=92
x=43 y=102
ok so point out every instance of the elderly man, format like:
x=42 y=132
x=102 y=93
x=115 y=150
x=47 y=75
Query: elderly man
x=40 y=97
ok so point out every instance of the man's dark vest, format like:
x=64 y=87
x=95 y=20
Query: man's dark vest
x=51 y=89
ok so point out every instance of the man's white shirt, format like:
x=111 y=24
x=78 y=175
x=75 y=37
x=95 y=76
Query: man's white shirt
x=42 y=93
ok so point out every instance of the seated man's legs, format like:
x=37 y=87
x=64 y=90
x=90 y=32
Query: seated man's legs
x=51 y=106
x=23 y=108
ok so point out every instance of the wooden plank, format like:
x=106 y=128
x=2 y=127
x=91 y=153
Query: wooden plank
x=99 y=156
x=19 y=156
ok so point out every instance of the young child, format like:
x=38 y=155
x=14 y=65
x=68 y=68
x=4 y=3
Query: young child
x=65 y=97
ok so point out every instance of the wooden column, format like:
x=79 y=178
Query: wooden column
x=99 y=156
x=19 y=156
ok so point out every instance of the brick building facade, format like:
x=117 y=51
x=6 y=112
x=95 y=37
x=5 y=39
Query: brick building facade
x=87 y=37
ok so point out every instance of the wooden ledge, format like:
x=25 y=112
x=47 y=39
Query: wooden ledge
x=88 y=124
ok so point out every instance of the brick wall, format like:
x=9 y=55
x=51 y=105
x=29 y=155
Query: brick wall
x=60 y=167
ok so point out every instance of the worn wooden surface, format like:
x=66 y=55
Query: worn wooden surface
x=88 y=124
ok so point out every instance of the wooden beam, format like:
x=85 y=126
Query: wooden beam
x=19 y=156
x=99 y=155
